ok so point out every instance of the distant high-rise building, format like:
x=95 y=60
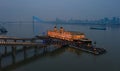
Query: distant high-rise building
x=115 y=20
x=106 y=20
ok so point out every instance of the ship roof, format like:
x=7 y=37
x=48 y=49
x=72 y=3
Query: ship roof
x=76 y=33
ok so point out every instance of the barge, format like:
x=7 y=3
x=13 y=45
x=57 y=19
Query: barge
x=98 y=28
x=89 y=49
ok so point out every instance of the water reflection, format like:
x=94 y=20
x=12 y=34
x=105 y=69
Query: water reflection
x=51 y=51
x=75 y=51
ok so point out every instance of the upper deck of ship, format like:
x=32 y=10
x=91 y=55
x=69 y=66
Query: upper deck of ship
x=66 y=35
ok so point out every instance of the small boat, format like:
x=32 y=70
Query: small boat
x=98 y=28
x=3 y=30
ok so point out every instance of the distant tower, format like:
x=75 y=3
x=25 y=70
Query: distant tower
x=61 y=30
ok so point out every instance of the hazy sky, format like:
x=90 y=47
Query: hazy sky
x=63 y=9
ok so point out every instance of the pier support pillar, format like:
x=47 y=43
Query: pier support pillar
x=0 y=60
x=35 y=51
x=25 y=52
x=5 y=50
x=44 y=50
x=13 y=54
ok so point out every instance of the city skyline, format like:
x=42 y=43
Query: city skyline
x=104 y=20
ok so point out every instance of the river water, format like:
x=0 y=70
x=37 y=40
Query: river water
x=71 y=59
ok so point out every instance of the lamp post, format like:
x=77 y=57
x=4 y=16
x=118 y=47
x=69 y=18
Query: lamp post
x=33 y=25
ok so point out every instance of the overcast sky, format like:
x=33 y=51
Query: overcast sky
x=63 y=9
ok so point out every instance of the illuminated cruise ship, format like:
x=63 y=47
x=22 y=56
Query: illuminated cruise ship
x=67 y=35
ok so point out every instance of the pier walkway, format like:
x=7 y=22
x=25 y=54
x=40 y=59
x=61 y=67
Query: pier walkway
x=36 y=41
x=20 y=41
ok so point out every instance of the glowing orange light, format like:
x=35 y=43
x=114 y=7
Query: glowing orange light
x=64 y=34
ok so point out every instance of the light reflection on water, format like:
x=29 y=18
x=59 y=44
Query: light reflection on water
x=72 y=59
